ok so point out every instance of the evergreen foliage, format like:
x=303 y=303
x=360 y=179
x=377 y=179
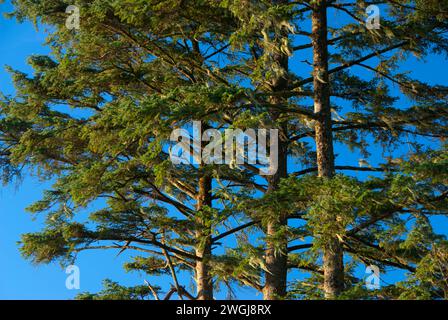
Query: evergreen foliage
x=97 y=114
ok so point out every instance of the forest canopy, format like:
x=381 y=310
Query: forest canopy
x=361 y=156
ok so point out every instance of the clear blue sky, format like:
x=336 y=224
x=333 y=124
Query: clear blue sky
x=21 y=280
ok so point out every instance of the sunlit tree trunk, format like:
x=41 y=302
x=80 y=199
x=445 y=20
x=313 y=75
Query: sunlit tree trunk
x=204 y=282
x=333 y=266
x=276 y=250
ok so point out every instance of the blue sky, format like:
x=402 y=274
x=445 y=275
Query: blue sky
x=21 y=280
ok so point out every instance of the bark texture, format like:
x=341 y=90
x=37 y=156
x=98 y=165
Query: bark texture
x=204 y=283
x=276 y=256
x=276 y=259
x=333 y=265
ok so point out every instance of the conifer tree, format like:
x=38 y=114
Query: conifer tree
x=128 y=85
x=139 y=69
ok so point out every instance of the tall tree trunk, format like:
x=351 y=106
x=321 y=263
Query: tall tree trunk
x=333 y=254
x=276 y=255
x=204 y=282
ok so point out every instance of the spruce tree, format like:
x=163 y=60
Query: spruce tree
x=139 y=69
x=97 y=115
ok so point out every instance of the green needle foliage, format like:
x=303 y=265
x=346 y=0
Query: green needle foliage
x=114 y=291
x=97 y=114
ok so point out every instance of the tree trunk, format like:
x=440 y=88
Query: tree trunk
x=276 y=255
x=333 y=255
x=204 y=284
x=276 y=259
